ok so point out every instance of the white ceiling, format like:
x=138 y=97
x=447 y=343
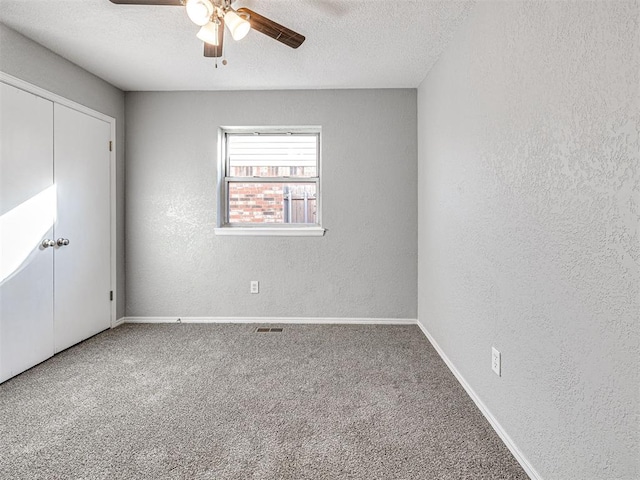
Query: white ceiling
x=350 y=43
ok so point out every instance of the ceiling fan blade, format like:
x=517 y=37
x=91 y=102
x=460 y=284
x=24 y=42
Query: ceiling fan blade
x=273 y=29
x=215 y=50
x=177 y=3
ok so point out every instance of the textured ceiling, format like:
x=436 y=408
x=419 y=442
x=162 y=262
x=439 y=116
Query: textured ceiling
x=350 y=44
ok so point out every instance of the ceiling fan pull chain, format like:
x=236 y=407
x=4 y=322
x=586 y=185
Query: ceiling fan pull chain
x=224 y=60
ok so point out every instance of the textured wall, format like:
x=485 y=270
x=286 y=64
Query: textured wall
x=529 y=205
x=365 y=265
x=28 y=61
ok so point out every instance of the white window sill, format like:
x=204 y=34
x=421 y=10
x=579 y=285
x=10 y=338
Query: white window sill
x=271 y=232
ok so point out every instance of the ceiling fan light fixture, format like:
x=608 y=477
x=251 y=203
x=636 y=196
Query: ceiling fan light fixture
x=238 y=26
x=209 y=33
x=199 y=11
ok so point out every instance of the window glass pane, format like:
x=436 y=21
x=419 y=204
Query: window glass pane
x=272 y=203
x=272 y=155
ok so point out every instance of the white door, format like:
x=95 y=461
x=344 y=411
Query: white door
x=27 y=213
x=83 y=267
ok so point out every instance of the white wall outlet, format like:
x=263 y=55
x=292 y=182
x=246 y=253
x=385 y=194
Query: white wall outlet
x=495 y=361
x=255 y=286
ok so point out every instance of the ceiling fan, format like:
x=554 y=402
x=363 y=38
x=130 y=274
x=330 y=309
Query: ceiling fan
x=212 y=15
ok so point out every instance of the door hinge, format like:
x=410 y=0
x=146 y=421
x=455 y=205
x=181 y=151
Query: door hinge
x=110 y=145
x=111 y=295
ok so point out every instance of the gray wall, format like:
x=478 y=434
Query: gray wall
x=365 y=265
x=31 y=62
x=529 y=202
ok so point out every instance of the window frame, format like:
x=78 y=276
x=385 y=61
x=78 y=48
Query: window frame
x=224 y=227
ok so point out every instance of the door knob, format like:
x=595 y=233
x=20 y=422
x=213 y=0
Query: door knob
x=48 y=243
x=62 y=242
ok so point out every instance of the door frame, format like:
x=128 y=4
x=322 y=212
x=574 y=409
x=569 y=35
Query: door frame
x=47 y=95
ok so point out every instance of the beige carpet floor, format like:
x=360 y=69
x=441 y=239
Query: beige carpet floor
x=196 y=401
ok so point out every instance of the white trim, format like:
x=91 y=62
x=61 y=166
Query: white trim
x=282 y=320
x=46 y=94
x=114 y=213
x=222 y=220
x=275 y=129
x=504 y=436
x=515 y=451
x=118 y=322
x=270 y=232
x=41 y=92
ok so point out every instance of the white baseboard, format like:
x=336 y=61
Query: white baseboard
x=519 y=456
x=118 y=322
x=504 y=436
x=282 y=320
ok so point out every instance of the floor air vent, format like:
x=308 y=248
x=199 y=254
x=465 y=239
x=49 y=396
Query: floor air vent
x=268 y=330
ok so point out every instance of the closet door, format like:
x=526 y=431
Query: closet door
x=82 y=267
x=27 y=213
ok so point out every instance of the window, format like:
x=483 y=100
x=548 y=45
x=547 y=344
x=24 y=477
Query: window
x=269 y=181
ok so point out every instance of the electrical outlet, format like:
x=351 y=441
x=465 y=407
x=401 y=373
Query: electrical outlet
x=496 y=365
x=255 y=286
